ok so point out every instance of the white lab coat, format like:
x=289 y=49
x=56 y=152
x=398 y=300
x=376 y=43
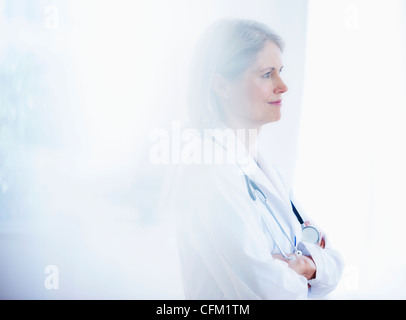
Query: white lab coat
x=225 y=247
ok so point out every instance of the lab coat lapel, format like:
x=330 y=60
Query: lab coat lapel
x=269 y=182
x=271 y=185
x=264 y=176
x=275 y=179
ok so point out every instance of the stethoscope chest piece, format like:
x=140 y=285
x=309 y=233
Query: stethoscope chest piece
x=297 y=254
x=310 y=234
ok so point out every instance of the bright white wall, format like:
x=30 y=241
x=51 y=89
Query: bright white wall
x=350 y=169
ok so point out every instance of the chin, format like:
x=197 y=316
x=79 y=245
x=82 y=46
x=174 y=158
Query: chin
x=277 y=117
x=273 y=118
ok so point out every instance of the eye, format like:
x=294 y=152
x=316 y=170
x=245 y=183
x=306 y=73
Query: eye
x=267 y=75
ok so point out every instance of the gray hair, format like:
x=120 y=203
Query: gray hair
x=228 y=47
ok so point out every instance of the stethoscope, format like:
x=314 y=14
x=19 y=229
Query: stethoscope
x=309 y=233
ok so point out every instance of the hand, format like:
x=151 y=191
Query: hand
x=322 y=241
x=303 y=265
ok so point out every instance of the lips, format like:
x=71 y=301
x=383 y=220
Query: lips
x=278 y=102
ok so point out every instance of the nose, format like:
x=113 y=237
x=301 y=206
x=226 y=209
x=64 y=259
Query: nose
x=280 y=86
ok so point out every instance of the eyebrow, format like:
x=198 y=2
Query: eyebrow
x=270 y=69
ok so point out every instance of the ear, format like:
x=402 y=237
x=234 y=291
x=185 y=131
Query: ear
x=220 y=86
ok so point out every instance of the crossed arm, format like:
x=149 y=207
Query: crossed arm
x=303 y=265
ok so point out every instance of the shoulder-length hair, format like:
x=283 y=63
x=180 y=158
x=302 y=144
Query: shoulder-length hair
x=227 y=47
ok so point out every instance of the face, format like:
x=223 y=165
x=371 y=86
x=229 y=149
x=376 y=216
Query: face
x=255 y=98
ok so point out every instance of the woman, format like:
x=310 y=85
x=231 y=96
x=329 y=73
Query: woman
x=231 y=244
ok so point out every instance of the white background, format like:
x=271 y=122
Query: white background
x=83 y=194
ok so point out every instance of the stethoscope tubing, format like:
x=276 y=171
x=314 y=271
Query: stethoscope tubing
x=252 y=185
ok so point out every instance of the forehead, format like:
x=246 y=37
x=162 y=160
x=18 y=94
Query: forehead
x=269 y=57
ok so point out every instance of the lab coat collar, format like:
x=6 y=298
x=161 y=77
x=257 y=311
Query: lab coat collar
x=264 y=176
x=275 y=180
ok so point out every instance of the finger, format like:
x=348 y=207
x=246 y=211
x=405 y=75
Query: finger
x=321 y=242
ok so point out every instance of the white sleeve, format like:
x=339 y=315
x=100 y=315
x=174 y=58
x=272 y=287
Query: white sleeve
x=329 y=262
x=329 y=268
x=220 y=223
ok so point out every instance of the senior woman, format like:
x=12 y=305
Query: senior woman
x=238 y=234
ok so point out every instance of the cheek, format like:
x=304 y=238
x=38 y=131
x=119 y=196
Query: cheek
x=259 y=92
